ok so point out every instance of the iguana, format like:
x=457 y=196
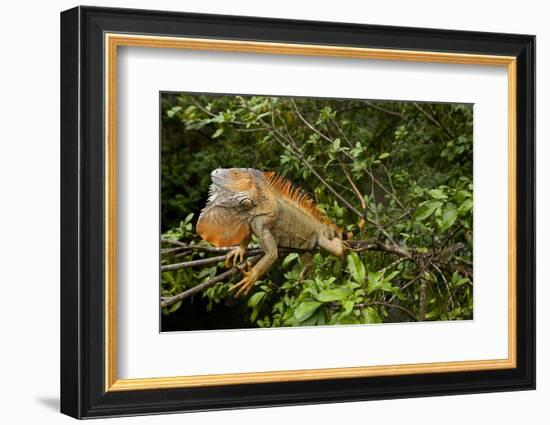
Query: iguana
x=246 y=201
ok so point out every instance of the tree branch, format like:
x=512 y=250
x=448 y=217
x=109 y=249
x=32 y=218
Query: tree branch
x=309 y=125
x=256 y=254
x=355 y=245
x=168 y=301
x=211 y=249
x=204 y=261
x=433 y=120
x=369 y=245
x=389 y=305
x=173 y=250
x=386 y=111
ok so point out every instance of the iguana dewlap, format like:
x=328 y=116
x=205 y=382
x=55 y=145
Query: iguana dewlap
x=245 y=201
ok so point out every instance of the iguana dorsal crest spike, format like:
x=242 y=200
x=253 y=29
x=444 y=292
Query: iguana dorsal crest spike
x=297 y=195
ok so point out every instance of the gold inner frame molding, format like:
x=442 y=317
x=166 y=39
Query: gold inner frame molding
x=113 y=41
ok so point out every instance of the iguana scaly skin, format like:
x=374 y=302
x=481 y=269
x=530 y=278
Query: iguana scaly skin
x=245 y=201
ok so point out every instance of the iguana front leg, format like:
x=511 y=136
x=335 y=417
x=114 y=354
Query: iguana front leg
x=236 y=255
x=269 y=245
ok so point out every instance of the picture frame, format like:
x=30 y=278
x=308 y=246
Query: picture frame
x=90 y=40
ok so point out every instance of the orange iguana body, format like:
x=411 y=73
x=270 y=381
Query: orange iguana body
x=245 y=201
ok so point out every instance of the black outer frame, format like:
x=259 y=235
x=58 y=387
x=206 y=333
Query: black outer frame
x=82 y=212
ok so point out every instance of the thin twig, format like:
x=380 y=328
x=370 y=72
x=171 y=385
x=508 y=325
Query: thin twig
x=341 y=131
x=433 y=120
x=451 y=298
x=410 y=282
x=394 y=263
x=369 y=245
x=308 y=124
x=373 y=205
x=211 y=249
x=355 y=245
x=389 y=178
x=173 y=242
x=168 y=301
x=357 y=193
x=389 y=305
x=173 y=250
x=203 y=261
x=384 y=188
x=405 y=214
x=422 y=302
x=387 y=111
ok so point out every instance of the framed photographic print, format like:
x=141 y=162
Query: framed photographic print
x=261 y=212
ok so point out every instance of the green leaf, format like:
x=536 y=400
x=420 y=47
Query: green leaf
x=255 y=302
x=289 y=259
x=348 y=307
x=255 y=299
x=318 y=319
x=448 y=216
x=174 y=307
x=171 y=112
x=254 y=314
x=462 y=195
x=432 y=313
x=189 y=217
x=383 y=155
x=437 y=194
x=195 y=125
x=321 y=319
x=167 y=276
x=305 y=310
x=462 y=281
x=317 y=260
x=336 y=294
x=465 y=206
x=390 y=277
x=189 y=110
x=356 y=267
x=347 y=320
x=426 y=209
x=374 y=281
x=218 y=133
x=377 y=282
x=370 y=315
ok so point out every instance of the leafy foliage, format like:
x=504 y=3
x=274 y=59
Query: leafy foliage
x=398 y=173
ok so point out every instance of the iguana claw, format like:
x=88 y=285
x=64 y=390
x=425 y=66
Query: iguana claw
x=235 y=257
x=245 y=284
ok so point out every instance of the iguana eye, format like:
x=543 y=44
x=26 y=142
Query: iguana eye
x=246 y=203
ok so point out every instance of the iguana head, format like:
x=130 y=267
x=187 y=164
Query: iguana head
x=236 y=196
